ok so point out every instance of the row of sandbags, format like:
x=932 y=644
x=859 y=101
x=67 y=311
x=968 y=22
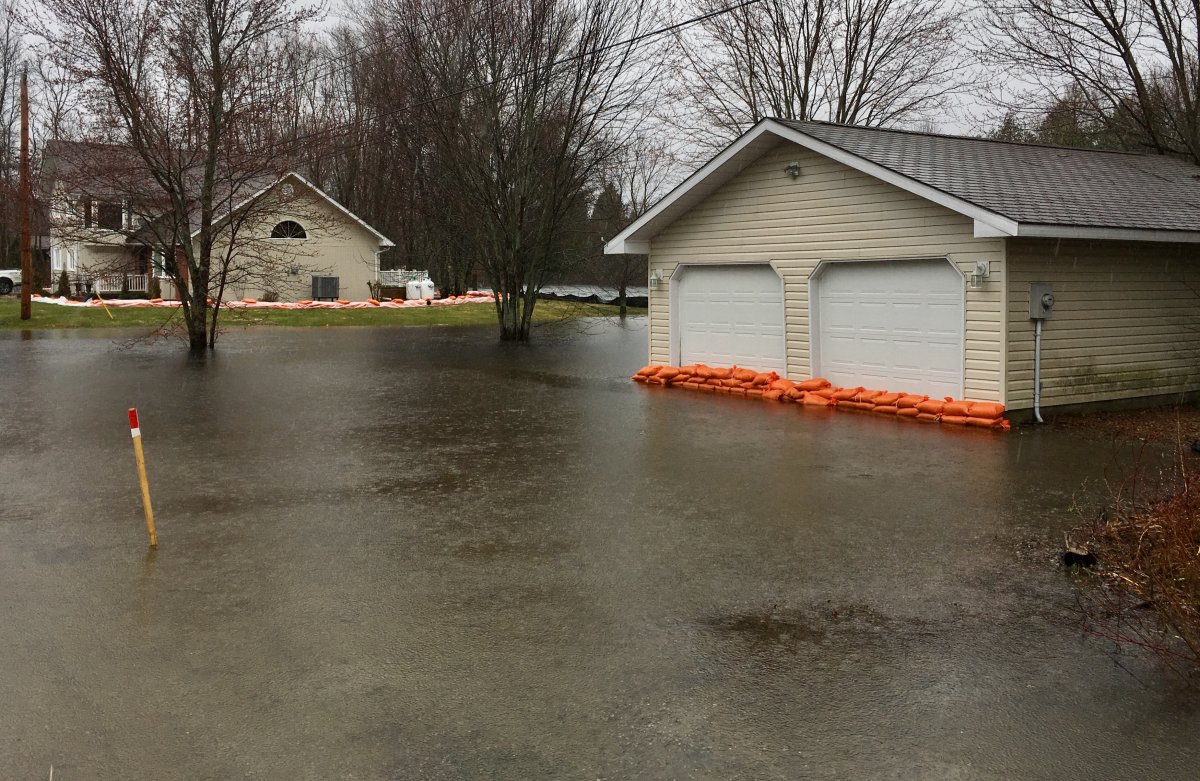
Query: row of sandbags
x=819 y=392
x=472 y=297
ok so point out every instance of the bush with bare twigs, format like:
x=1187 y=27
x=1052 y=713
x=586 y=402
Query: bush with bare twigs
x=1147 y=573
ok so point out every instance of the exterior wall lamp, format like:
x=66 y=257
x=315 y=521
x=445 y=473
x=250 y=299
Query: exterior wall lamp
x=983 y=270
x=792 y=170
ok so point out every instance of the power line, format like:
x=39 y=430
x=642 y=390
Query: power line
x=630 y=42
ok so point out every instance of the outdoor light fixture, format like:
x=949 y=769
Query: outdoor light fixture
x=655 y=277
x=792 y=170
x=983 y=270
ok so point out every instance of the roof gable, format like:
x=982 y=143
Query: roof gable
x=1007 y=189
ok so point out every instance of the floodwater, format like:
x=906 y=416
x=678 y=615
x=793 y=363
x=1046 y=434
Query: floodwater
x=419 y=553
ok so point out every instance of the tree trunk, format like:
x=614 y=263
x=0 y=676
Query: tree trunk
x=197 y=332
x=624 y=299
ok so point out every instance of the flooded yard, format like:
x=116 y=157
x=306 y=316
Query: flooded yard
x=419 y=553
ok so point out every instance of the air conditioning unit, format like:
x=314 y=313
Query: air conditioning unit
x=325 y=287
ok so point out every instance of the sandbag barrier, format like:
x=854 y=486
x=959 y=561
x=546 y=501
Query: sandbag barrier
x=471 y=297
x=819 y=392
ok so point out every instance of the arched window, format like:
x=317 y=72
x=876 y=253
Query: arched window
x=288 y=230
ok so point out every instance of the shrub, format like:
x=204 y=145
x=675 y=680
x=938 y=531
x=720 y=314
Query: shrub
x=154 y=288
x=1147 y=576
x=269 y=296
x=64 y=285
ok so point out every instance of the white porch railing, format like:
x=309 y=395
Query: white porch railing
x=400 y=276
x=111 y=283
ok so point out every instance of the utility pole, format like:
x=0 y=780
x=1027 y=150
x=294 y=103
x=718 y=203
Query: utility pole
x=26 y=250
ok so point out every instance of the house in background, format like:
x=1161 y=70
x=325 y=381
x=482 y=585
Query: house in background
x=915 y=261
x=289 y=232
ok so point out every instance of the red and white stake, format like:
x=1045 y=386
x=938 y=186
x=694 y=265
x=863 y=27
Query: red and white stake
x=136 y=432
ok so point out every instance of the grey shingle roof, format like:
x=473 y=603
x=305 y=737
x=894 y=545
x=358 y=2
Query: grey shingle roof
x=1032 y=183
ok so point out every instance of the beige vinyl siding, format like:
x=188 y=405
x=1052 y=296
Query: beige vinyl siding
x=1126 y=320
x=831 y=212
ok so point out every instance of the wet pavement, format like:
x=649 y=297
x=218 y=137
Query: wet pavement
x=419 y=553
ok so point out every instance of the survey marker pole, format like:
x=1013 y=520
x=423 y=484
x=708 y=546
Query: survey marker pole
x=136 y=432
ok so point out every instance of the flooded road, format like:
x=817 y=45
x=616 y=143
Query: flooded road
x=419 y=553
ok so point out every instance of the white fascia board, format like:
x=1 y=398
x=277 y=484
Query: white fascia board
x=384 y=241
x=1107 y=234
x=994 y=221
x=986 y=231
x=630 y=242
x=920 y=189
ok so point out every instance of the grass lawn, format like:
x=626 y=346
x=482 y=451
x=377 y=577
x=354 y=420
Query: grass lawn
x=55 y=316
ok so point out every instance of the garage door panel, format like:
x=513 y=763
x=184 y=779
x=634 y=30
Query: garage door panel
x=731 y=314
x=893 y=324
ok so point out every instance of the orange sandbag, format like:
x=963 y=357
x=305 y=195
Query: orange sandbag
x=747 y=385
x=702 y=371
x=868 y=395
x=765 y=378
x=815 y=384
x=680 y=379
x=721 y=389
x=907 y=412
x=649 y=371
x=305 y=302
x=693 y=385
x=887 y=399
x=815 y=400
x=910 y=402
x=732 y=383
x=344 y=301
x=754 y=393
x=772 y=395
x=986 y=409
x=156 y=301
x=638 y=378
x=714 y=382
x=667 y=372
x=931 y=407
x=782 y=385
x=794 y=393
x=960 y=420
x=981 y=422
x=249 y=300
x=886 y=409
x=926 y=417
x=394 y=301
x=372 y=302
x=738 y=391
x=688 y=369
x=826 y=393
x=861 y=406
x=957 y=409
x=722 y=374
x=744 y=375
x=706 y=388
x=846 y=394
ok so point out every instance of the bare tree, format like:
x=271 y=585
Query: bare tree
x=523 y=104
x=179 y=84
x=10 y=66
x=871 y=62
x=1131 y=65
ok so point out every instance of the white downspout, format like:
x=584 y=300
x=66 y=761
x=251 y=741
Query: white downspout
x=1037 y=370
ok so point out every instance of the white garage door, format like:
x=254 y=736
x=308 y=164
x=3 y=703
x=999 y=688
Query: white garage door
x=893 y=325
x=728 y=315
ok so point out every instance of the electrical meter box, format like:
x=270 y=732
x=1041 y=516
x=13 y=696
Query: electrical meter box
x=1041 y=301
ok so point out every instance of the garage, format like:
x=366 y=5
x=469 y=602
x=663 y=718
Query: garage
x=729 y=315
x=894 y=325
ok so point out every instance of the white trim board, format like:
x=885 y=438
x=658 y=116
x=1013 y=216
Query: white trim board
x=765 y=134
